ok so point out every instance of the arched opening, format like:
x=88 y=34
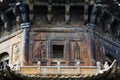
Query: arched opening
x=4 y=59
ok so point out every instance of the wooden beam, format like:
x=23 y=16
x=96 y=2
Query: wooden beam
x=86 y=6
x=31 y=4
x=58 y=4
x=67 y=10
x=49 y=15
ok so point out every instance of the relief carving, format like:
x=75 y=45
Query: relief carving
x=39 y=51
x=99 y=51
x=76 y=51
x=16 y=51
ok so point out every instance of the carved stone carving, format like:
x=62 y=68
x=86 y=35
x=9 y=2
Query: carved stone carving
x=39 y=50
x=21 y=10
x=15 y=53
x=98 y=51
x=76 y=51
x=102 y=50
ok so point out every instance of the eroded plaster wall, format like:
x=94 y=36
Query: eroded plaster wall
x=12 y=44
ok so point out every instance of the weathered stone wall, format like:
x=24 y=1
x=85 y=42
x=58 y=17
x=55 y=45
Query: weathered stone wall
x=12 y=44
x=76 y=44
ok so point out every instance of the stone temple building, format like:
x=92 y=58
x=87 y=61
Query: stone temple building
x=59 y=38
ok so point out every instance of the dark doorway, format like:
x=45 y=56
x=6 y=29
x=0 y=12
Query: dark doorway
x=4 y=59
x=58 y=51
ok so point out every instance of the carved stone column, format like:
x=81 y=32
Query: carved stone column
x=67 y=53
x=25 y=27
x=22 y=11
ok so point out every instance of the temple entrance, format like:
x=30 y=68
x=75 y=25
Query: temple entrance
x=4 y=59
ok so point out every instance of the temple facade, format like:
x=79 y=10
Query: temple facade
x=60 y=33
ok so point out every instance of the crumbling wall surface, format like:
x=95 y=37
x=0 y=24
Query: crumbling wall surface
x=12 y=44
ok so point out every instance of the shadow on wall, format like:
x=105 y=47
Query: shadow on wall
x=4 y=57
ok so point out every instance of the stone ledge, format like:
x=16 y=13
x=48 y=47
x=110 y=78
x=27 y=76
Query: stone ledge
x=10 y=36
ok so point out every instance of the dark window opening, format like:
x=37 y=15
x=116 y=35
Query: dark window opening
x=58 y=51
x=4 y=59
x=7 y=61
x=40 y=15
x=76 y=13
x=40 y=9
x=58 y=1
x=58 y=13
